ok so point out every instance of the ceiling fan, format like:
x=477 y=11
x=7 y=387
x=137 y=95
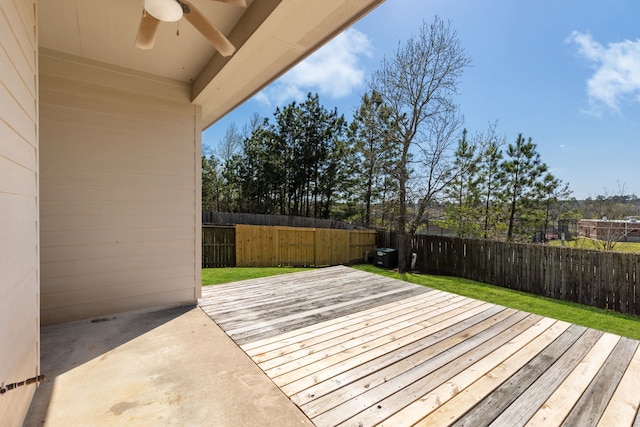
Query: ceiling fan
x=156 y=11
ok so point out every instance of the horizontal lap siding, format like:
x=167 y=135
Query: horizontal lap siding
x=120 y=178
x=19 y=271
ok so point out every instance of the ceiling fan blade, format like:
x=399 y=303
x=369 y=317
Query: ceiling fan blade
x=147 y=31
x=241 y=3
x=211 y=33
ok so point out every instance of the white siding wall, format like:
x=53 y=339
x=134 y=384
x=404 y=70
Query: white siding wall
x=120 y=201
x=19 y=311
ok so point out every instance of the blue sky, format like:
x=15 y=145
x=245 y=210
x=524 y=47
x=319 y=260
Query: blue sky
x=564 y=72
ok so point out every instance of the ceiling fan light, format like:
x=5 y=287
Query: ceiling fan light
x=164 y=10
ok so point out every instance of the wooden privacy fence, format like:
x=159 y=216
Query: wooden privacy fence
x=601 y=279
x=266 y=246
x=218 y=246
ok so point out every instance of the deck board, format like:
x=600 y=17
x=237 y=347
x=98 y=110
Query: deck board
x=358 y=349
x=595 y=398
x=494 y=403
x=533 y=397
x=623 y=406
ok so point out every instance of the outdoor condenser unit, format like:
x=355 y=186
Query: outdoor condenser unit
x=386 y=258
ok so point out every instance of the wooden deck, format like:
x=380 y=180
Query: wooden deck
x=356 y=349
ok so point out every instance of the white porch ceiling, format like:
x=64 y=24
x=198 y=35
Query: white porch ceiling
x=271 y=37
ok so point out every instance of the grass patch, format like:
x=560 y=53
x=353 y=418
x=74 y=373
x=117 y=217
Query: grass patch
x=582 y=243
x=217 y=276
x=596 y=318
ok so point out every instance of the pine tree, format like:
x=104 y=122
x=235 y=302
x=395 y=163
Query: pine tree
x=551 y=190
x=295 y=166
x=211 y=184
x=522 y=168
x=491 y=182
x=464 y=209
x=372 y=134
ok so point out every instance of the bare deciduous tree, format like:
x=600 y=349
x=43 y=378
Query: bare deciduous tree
x=608 y=235
x=253 y=123
x=230 y=144
x=418 y=84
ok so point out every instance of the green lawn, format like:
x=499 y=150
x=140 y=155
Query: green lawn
x=582 y=243
x=217 y=276
x=604 y=320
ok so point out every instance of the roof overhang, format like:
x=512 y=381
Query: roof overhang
x=271 y=36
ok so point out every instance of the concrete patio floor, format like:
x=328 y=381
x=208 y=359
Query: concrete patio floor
x=169 y=367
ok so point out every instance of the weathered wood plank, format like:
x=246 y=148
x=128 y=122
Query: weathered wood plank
x=251 y=288
x=288 y=377
x=308 y=376
x=340 y=388
x=302 y=316
x=256 y=348
x=220 y=300
x=416 y=383
x=380 y=385
x=387 y=389
x=557 y=407
x=496 y=402
x=312 y=274
x=360 y=338
x=330 y=313
x=302 y=299
x=470 y=395
x=528 y=403
x=277 y=292
x=328 y=344
x=238 y=297
x=305 y=300
x=594 y=400
x=623 y=407
x=427 y=403
x=272 y=343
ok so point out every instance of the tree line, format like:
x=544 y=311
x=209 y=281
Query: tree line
x=404 y=157
x=310 y=162
x=299 y=164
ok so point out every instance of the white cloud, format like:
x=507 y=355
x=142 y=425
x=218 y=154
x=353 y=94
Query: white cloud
x=334 y=70
x=262 y=98
x=616 y=78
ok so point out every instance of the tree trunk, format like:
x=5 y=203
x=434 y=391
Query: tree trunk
x=367 y=213
x=402 y=214
x=512 y=217
x=486 y=216
x=402 y=244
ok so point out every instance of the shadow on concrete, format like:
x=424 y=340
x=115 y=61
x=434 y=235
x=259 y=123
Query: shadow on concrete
x=65 y=346
x=170 y=367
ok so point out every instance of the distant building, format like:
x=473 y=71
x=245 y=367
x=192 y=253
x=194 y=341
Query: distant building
x=622 y=230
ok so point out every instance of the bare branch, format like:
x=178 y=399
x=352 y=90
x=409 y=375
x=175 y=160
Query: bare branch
x=418 y=84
